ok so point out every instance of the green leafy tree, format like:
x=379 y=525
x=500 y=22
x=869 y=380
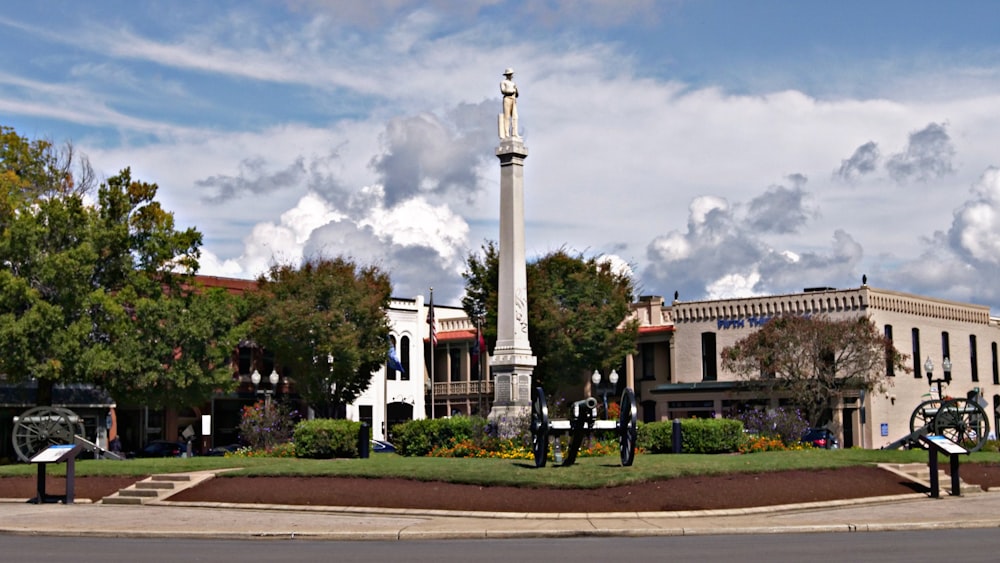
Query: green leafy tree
x=102 y=293
x=326 y=324
x=813 y=359
x=577 y=310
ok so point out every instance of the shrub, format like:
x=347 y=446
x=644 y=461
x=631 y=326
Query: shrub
x=698 y=436
x=710 y=435
x=656 y=437
x=325 y=438
x=421 y=437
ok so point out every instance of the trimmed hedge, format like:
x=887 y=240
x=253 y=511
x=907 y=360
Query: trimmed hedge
x=698 y=436
x=325 y=438
x=420 y=437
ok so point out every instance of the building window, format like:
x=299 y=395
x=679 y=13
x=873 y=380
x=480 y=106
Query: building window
x=917 y=367
x=996 y=367
x=390 y=373
x=709 y=369
x=455 y=364
x=365 y=414
x=945 y=345
x=648 y=411
x=648 y=361
x=244 y=360
x=974 y=357
x=404 y=357
x=890 y=370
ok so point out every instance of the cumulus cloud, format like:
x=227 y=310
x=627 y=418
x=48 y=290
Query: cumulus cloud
x=975 y=229
x=780 y=209
x=430 y=156
x=724 y=253
x=928 y=155
x=864 y=161
x=253 y=179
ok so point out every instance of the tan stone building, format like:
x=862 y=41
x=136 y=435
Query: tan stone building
x=678 y=373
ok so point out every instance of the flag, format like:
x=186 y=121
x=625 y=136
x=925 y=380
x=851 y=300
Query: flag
x=394 y=362
x=430 y=321
x=478 y=346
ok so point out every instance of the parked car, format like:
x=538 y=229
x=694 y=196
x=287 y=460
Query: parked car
x=821 y=438
x=382 y=447
x=163 y=448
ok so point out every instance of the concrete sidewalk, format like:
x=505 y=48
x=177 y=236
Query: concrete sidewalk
x=215 y=520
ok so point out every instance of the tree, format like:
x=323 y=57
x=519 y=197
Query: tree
x=813 y=360
x=101 y=293
x=577 y=310
x=326 y=324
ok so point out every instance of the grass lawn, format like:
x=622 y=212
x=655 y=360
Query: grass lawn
x=590 y=472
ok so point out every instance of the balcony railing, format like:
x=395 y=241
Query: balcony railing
x=463 y=388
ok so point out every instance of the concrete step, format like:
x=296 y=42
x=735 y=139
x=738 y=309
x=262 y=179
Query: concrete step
x=920 y=473
x=115 y=499
x=157 y=487
x=133 y=492
x=173 y=477
x=154 y=485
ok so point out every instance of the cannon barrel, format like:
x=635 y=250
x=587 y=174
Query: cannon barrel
x=589 y=404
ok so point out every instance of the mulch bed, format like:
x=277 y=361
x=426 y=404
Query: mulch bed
x=682 y=493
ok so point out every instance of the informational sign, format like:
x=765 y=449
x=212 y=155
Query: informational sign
x=884 y=429
x=53 y=454
x=945 y=445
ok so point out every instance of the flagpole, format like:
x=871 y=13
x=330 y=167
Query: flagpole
x=479 y=363
x=433 y=335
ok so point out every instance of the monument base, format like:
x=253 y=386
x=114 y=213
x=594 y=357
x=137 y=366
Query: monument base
x=511 y=410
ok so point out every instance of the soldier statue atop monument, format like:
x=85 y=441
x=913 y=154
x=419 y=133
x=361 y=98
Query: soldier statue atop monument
x=508 y=121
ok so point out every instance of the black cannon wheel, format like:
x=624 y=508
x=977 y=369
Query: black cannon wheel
x=539 y=427
x=41 y=427
x=923 y=415
x=627 y=427
x=964 y=422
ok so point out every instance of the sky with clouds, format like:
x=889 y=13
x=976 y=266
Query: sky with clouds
x=720 y=148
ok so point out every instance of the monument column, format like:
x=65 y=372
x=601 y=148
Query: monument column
x=512 y=362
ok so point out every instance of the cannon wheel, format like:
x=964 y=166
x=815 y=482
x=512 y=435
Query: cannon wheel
x=923 y=415
x=539 y=427
x=41 y=427
x=627 y=427
x=964 y=422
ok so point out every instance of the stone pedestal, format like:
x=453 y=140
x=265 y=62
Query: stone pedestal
x=512 y=362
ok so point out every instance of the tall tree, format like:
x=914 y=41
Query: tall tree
x=89 y=293
x=326 y=324
x=577 y=310
x=813 y=360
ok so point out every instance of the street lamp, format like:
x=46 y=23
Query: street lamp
x=613 y=383
x=273 y=378
x=929 y=368
x=946 y=366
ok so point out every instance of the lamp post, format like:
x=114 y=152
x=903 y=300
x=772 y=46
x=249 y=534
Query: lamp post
x=273 y=378
x=929 y=368
x=603 y=389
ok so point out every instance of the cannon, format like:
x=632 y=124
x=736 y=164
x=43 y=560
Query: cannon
x=40 y=427
x=961 y=420
x=583 y=419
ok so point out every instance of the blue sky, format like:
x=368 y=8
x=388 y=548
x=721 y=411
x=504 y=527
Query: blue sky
x=716 y=148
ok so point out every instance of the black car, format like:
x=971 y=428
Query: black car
x=163 y=448
x=382 y=447
x=821 y=438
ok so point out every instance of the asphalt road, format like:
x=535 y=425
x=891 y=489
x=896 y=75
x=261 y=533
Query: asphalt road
x=965 y=545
